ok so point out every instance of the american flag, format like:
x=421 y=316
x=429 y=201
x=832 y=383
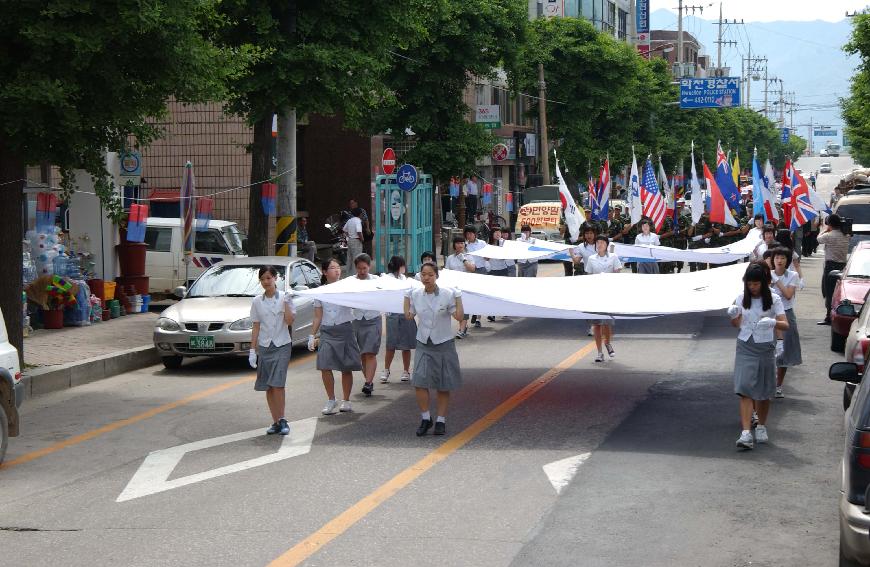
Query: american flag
x=651 y=197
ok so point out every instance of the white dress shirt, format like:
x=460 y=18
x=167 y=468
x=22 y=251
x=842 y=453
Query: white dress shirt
x=333 y=314
x=479 y=262
x=789 y=279
x=457 y=262
x=368 y=315
x=752 y=315
x=585 y=250
x=353 y=228
x=530 y=240
x=433 y=311
x=607 y=264
x=499 y=264
x=648 y=239
x=269 y=313
x=470 y=187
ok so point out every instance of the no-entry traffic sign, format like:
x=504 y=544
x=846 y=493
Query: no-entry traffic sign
x=389 y=161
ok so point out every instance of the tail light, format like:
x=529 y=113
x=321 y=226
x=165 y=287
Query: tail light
x=860 y=353
x=862 y=441
x=18 y=376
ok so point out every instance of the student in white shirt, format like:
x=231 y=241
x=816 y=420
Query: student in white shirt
x=436 y=364
x=368 y=328
x=460 y=262
x=272 y=314
x=586 y=248
x=647 y=238
x=481 y=265
x=785 y=283
x=527 y=268
x=428 y=257
x=767 y=241
x=336 y=347
x=757 y=227
x=401 y=333
x=602 y=262
x=353 y=228
x=497 y=266
x=758 y=313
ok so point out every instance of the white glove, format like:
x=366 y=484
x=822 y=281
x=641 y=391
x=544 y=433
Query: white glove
x=311 y=345
x=734 y=311
x=706 y=241
x=697 y=238
x=765 y=323
x=801 y=284
x=457 y=293
x=288 y=297
x=780 y=348
x=252 y=358
x=773 y=277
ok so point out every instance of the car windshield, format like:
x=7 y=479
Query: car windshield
x=234 y=238
x=231 y=281
x=858 y=213
x=859 y=264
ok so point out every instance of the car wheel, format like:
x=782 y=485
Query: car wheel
x=4 y=432
x=838 y=342
x=172 y=362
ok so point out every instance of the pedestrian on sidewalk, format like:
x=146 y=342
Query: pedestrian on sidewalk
x=527 y=268
x=336 y=347
x=367 y=327
x=353 y=229
x=836 y=253
x=401 y=332
x=307 y=247
x=603 y=262
x=436 y=364
x=272 y=314
x=758 y=313
x=459 y=261
x=785 y=283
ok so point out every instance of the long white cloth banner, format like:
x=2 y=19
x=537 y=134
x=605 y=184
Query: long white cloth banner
x=588 y=297
x=542 y=249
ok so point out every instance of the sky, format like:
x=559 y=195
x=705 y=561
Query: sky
x=770 y=10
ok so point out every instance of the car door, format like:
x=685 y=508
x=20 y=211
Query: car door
x=160 y=264
x=301 y=279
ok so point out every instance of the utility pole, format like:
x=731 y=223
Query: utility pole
x=720 y=42
x=285 y=203
x=781 y=106
x=678 y=59
x=542 y=119
x=766 y=84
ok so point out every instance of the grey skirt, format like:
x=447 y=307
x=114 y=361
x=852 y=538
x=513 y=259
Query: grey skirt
x=368 y=335
x=647 y=267
x=436 y=366
x=338 y=349
x=502 y=272
x=754 y=370
x=791 y=355
x=608 y=322
x=272 y=363
x=401 y=332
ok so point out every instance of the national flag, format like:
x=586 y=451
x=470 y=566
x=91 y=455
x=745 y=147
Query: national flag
x=725 y=180
x=601 y=206
x=573 y=216
x=46 y=209
x=635 y=204
x=651 y=197
x=785 y=195
x=593 y=192
x=735 y=168
x=204 y=210
x=802 y=207
x=670 y=202
x=697 y=197
x=719 y=211
x=757 y=188
x=136 y=220
x=188 y=206
x=268 y=196
x=770 y=212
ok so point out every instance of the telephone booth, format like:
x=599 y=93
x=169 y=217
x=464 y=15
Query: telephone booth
x=403 y=221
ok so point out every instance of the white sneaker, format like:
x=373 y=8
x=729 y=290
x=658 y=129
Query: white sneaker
x=330 y=408
x=385 y=376
x=761 y=434
x=745 y=441
x=406 y=376
x=779 y=393
x=600 y=357
x=345 y=406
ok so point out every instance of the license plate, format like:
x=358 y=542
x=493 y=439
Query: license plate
x=201 y=343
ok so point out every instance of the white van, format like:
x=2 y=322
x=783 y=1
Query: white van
x=11 y=390
x=164 y=259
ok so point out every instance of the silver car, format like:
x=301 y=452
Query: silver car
x=213 y=316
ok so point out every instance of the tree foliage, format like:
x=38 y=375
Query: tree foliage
x=856 y=108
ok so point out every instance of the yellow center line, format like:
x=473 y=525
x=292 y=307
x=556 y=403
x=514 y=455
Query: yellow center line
x=115 y=425
x=344 y=521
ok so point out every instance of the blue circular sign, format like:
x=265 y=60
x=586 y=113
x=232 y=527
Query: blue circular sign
x=406 y=177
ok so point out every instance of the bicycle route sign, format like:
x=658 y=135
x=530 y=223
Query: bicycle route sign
x=406 y=177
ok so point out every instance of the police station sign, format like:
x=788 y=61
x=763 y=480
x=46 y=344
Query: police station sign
x=717 y=92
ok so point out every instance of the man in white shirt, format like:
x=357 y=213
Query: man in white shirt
x=527 y=268
x=481 y=266
x=471 y=196
x=354 y=231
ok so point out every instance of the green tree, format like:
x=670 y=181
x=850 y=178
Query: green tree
x=78 y=77
x=856 y=108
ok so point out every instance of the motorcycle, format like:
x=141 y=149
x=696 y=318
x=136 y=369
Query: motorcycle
x=335 y=225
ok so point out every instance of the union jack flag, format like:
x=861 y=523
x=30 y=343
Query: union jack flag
x=802 y=207
x=653 y=202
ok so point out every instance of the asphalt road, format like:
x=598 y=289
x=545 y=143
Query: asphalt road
x=640 y=454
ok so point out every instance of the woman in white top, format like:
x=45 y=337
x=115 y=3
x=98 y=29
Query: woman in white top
x=436 y=364
x=368 y=328
x=401 y=333
x=602 y=262
x=768 y=240
x=586 y=248
x=785 y=283
x=647 y=238
x=460 y=262
x=757 y=227
x=758 y=313
x=337 y=348
x=527 y=268
x=272 y=315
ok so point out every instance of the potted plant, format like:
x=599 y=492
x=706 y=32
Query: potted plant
x=53 y=294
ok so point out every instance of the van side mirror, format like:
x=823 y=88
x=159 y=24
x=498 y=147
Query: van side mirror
x=844 y=372
x=179 y=292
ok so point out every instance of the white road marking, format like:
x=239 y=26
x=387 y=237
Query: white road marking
x=158 y=465
x=563 y=471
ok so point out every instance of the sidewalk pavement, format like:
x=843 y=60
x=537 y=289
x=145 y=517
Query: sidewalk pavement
x=63 y=358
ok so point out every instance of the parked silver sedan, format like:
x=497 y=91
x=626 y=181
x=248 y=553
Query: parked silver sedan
x=213 y=316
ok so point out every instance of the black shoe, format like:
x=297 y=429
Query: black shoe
x=284 y=427
x=476 y=324
x=825 y=322
x=368 y=388
x=425 y=425
x=440 y=428
x=491 y=319
x=274 y=429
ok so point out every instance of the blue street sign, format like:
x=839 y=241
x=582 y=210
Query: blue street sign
x=714 y=92
x=785 y=135
x=406 y=177
x=642 y=19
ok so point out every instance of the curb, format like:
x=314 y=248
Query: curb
x=46 y=379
